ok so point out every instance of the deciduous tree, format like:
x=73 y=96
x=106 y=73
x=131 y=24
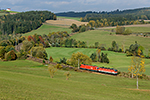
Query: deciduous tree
x=137 y=67
x=82 y=59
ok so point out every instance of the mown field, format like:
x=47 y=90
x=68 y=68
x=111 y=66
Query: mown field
x=24 y=79
x=117 y=60
x=46 y=29
x=31 y=82
x=139 y=29
x=134 y=28
x=63 y=22
x=104 y=37
x=74 y=18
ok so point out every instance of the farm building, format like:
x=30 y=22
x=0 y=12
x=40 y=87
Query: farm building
x=8 y=9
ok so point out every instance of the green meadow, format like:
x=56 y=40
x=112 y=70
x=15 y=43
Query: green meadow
x=25 y=79
x=104 y=37
x=134 y=28
x=74 y=18
x=33 y=82
x=46 y=29
x=117 y=60
x=139 y=29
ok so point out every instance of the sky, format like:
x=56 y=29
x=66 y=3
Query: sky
x=72 y=5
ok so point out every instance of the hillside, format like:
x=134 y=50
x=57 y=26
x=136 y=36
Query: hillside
x=65 y=22
x=73 y=14
x=104 y=37
x=26 y=79
x=117 y=60
x=46 y=28
x=137 y=11
x=31 y=82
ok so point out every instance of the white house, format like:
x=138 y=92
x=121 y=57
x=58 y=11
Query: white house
x=8 y=9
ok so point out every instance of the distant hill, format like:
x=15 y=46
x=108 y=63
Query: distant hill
x=137 y=11
x=73 y=14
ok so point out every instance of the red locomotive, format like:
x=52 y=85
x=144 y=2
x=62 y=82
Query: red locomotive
x=99 y=69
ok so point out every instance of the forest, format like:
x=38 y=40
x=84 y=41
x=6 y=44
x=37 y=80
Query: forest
x=114 y=18
x=24 y=22
x=138 y=11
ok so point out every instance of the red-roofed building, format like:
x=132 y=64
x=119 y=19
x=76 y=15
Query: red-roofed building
x=8 y=9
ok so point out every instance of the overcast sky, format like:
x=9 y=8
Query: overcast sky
x=72 y=5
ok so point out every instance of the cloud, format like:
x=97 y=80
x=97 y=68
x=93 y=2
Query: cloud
x=58 y=3
x=72 y=5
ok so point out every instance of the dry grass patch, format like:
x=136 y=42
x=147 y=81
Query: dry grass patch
x=65 y=22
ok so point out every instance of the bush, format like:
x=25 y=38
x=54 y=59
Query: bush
x=58 y=66
x=128 y=53
x=102 y=48
x=51 y=59
x=82 y=29
x=67 y=74
x=120 y=50
x=11 y=55
x=127 y=32
x=94 y=57
x=2 y=52
x=110 y=49
x=39 y=52
x=82 y=59
x=21 y=54
x=9 y=48
x=52 y=71
x=104 y=58
x=43 y=61
x=120 y=30
x=27 y=45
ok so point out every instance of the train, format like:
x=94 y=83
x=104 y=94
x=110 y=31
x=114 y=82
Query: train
x=99 y=69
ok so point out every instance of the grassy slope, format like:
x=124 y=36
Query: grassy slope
x=2 y=14
x=19 y=63
x=46 y=29
x=34 y=83
x=104 y=37
x=117 y=60
x=139 y=29
x=136 y=29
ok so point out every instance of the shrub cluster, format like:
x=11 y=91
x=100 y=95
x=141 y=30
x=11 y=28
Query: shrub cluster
x=133 y=49
x=11 y=41
x=11 y=55
x=101 y=57
x=8 y=53
x=115 y=47
x=129 y=75
x=81 y=28
x=39 y=52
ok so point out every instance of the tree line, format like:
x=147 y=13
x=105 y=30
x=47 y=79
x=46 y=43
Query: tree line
x=24 y=22
x=114 y=18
